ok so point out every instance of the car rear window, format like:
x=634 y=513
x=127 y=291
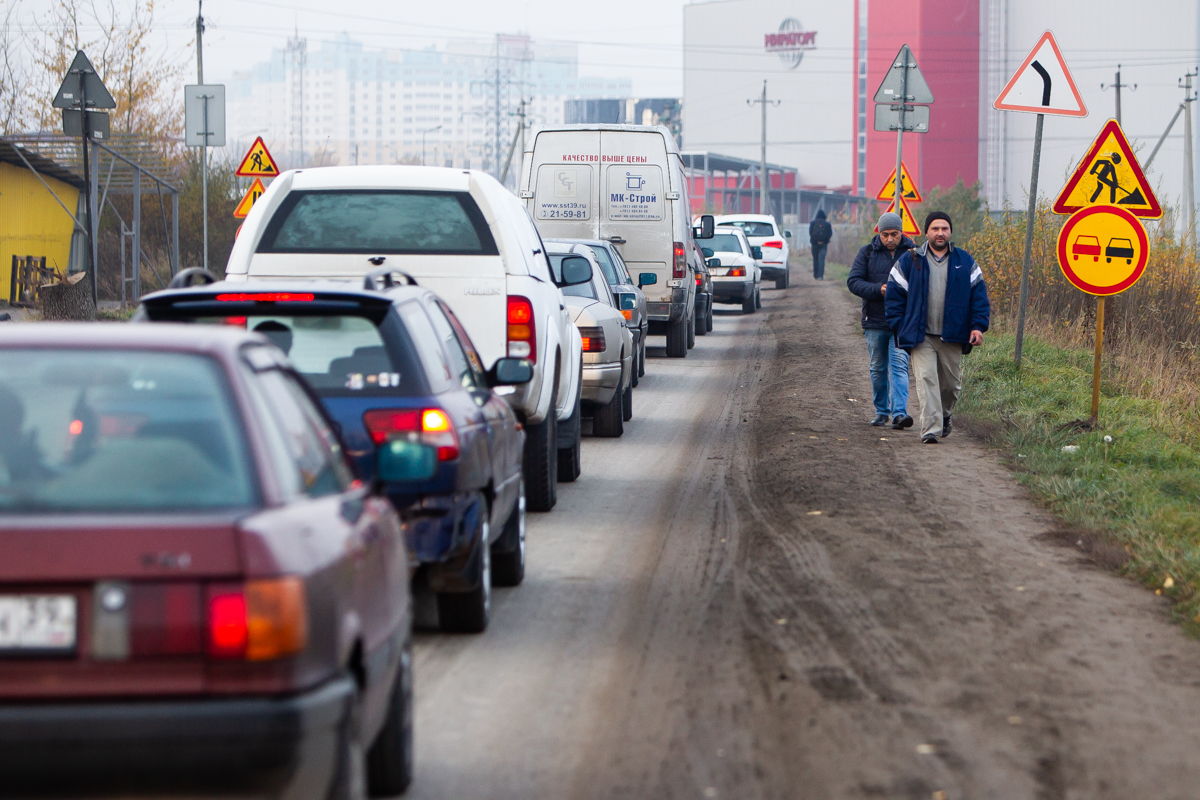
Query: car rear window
x=606 y=264
x=118 y=431
x=368 y=222
x=578 y=290
x=724 y=243
x=754 y=228
x=337 y=355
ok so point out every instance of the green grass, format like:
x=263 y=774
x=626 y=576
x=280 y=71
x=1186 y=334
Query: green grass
x=1141 y=492
x=115 y=314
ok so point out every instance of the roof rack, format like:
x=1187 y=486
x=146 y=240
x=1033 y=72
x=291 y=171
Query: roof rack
x=385 y=275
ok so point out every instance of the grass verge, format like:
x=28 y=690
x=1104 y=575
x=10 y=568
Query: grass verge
x=1140 y=493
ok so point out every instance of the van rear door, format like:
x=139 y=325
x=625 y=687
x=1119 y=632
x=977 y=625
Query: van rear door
x=565 y=184
x=634 y=182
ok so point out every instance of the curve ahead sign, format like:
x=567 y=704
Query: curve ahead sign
x=790 y=42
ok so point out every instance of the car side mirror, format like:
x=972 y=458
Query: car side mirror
x=787 y=234
x=707 y=252
x=574 y=270
x=705 y=229
x=647 y=279
x=756 y=252
x=405 y=460
x=510 y=372
x=713 y=262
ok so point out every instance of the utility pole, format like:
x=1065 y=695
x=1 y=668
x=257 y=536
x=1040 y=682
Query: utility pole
x=764 y=194
x=204 y=147
x=496 y=151
x=1189 y=168
x=1118 y=86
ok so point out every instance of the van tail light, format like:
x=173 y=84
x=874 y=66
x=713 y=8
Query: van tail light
x=777 y=244
x=680 y=261
x=522 y=329
x=258 y=620
x=431 y=425
x=593 y=340
x=737 y=272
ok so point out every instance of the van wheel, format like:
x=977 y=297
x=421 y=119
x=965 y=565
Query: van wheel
x=608 y=420
x=508 y=565
x=468 y=612
x=390 y=759
x=677 y=339
x=748 y=305
x=627 y=404
x=540 y=462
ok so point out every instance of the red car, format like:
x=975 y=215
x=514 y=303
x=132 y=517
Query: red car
x=196 y=593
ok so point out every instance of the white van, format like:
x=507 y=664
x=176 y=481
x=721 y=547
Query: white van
x=462 y=235
x=624 y=184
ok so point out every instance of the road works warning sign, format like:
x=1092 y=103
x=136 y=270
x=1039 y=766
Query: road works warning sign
x=910 y=223
x=258 y=162
x=249 y=199
x=907 y=187
x=1102 y=250
x=1109 y=175
x=1042 y=84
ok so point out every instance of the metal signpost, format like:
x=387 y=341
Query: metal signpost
x=1041 y=85
x=204 y=127
x=902 y=87
x=80 y=118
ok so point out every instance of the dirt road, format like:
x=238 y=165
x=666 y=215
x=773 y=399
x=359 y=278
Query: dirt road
x=690 y=627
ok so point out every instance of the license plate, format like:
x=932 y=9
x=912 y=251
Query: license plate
x=37 y=622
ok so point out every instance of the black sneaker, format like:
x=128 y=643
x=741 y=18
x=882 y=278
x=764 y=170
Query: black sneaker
x=902 y=421
x=880 y=420
x=947 y=425
x=929 y=438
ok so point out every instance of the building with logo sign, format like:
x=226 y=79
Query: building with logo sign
x=824 y=61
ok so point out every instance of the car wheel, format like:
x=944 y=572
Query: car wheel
x=758 y=298
x=627 y=404
x=540 y=462
x=642 y=359
x=350 y=775
x=637 y=360
x=700 y=326
x=782 y=283
x=708 y=320
x=390 y=759
x=608 y=420
x=468 y=612
x=569 y=462
x=691 y=331
x=748 y=304
x=677 y=339
x=508 y=565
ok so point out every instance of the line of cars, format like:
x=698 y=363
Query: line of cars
x=215 y=519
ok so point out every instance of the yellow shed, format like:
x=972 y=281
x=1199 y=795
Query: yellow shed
x=32 y=223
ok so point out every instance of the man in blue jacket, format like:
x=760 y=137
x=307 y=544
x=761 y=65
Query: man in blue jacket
x=937 y=307
x=889 y=364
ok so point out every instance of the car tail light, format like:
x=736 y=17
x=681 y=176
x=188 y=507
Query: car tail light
x=265 y=297
x=258 y=621
x=166 y=619
x=522 y=330
x=680 y=261
x=431 y=425
x=777 y=244
x=593 y=340
x=697 y=280
x=239 y=322
x=737 y=272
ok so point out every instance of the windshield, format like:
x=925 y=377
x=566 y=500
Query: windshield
x=578 y=290
x=724 y=243
x=754 y=228
x=368 y=222
x=121 y=431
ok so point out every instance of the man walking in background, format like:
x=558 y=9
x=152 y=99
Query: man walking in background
x=889 y=364
x=937 y=306
x=819 y=234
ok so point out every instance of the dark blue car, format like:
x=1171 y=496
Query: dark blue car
x=391 y=363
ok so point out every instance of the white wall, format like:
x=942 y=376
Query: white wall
x=725 y=62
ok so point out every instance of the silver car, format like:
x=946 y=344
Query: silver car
x=608 y=349
x=630 y=299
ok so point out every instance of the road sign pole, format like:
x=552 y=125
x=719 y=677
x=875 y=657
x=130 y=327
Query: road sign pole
x=204 y=180
x=1029 y=220
x=1096 y=362
x=900 y=135
x=87 y=187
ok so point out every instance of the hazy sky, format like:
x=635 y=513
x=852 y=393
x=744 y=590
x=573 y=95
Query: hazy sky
x=638 y=39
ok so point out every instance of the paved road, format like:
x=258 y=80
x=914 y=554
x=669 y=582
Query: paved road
x=753 y=594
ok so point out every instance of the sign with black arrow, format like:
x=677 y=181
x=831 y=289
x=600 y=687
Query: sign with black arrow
x=82 y=84
x=1042 y=84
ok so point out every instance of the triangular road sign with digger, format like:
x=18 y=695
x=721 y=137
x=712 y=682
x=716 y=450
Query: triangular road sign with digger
x=910 y=223
x=1042 y=84
x=1109 y=175
x=249 y=199
x=258 y=162
x=907 y=187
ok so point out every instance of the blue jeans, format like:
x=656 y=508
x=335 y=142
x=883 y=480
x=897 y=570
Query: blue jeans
x=889 y=373
x=818 y=257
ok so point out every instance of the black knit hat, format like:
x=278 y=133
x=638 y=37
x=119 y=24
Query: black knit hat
x=937 y=215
